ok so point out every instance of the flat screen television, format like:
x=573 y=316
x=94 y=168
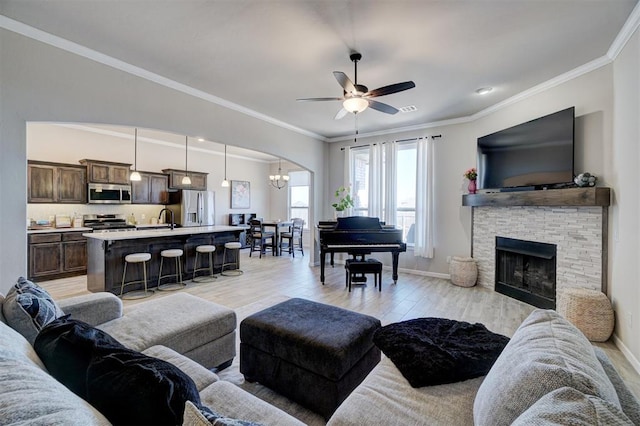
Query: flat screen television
x=537 y=154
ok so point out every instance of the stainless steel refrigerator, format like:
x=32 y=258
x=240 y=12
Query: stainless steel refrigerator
x=193 y=208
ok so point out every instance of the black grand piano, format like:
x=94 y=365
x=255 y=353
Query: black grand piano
x=359 y=235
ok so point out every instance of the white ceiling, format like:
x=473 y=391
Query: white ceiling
x=264 y=54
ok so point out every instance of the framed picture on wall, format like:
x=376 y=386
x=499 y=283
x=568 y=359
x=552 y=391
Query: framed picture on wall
x=240 y=194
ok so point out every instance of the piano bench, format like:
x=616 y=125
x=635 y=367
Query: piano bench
x=355 y=267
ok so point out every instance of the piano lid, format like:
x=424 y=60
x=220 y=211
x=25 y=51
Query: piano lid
x=358 y=223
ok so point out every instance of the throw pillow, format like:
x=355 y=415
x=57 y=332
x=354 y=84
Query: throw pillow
x=567 y=406
x=126 y=386
x=545 y=353
x=67 y=347
x=204 y=416
x=434 y=351
x=28 y=308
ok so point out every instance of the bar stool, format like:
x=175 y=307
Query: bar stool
x=142 y=258
x=232 y=246
x=176 y=254
x=205 y=249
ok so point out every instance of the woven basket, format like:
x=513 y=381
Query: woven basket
x=463 y=271
x=589 y=310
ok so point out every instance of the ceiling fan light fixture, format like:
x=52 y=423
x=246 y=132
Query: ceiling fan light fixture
x=355 y=105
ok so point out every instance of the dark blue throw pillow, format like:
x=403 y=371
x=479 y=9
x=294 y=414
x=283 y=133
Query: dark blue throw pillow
x=127 y=387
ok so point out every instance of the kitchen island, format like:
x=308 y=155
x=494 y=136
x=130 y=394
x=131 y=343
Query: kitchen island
x=106 y=252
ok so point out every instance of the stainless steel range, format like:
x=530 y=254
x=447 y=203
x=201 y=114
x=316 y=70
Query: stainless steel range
x=107 y=222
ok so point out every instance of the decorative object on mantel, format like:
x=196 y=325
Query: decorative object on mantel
x=463 y=271
x=589 y=310
x=472 y=175
x=344 y=200
x=585 y=179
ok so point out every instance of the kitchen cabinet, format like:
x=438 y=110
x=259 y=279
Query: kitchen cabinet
x=107 y=171
x=153 y=188
x=56 y=183
x=198 y=179
x=57 y=254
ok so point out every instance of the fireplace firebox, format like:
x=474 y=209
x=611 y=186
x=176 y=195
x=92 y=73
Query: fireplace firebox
x=526 y=270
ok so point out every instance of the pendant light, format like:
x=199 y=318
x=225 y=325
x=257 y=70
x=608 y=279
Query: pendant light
x=225 y=182
x=186 y=180
x=135 y=176
x=275 y=180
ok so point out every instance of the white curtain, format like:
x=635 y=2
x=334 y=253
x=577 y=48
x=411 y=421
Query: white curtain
x=390 y=183
x=424 y=199
x=376 y=181
x=347 y=176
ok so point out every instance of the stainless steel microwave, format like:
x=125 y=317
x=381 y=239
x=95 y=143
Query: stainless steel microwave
x=99 y=193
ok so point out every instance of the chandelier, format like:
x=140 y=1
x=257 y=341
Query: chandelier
x=279 y=180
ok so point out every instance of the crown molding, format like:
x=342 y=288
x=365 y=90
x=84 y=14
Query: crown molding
x=629 y=27
x=75 y=48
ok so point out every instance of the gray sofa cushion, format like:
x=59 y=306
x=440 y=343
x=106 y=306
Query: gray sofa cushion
x=567 y=406
x=544 y=354
x=28 y=307
x=30 y=395
x=628 y=401
x=200 y=375
x=386 y=398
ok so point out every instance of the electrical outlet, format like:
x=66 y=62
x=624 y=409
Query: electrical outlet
x=448 y=259
x=629 y=320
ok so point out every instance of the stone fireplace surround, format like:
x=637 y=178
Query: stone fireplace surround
x=574 y=219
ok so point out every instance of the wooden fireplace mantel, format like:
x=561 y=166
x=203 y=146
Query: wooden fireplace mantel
x=581 y=197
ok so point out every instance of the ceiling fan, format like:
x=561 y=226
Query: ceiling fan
x=357 y=97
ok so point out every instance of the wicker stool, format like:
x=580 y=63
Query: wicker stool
x=178 y=283
x=589 y=310
x=204 y=249
x=142 y=258
x=463 y=271
x=232 y=246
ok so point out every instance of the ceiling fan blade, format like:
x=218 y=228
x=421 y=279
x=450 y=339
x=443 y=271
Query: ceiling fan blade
x=319 y=99
x=340 y=114
x=392 y=88
x=344 y=81
x=379 y=106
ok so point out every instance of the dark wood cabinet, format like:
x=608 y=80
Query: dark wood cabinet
x=198 y=179
x=56 y=183
x=153 y=188
x=107 y=171
x=57 y=254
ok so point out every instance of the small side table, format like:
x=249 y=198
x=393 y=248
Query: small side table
x=589 y=310
x=463 y=271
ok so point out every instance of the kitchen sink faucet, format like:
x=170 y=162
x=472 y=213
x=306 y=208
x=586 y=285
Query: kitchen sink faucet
x=166 y=210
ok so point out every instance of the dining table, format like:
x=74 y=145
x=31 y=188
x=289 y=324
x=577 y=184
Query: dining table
x=278 y=226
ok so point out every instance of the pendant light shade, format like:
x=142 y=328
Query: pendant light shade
x=225 y=182
x=135 y=176
x=186 y=180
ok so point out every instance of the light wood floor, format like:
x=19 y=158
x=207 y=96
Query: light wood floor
x=271 y=279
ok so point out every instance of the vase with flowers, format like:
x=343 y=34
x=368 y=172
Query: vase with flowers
x=344 y=200
x=471 y=175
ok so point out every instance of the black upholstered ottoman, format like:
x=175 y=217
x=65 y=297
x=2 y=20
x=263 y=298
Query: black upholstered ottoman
x=312 y=353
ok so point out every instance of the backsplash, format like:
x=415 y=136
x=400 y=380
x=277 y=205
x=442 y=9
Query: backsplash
x=142 y=212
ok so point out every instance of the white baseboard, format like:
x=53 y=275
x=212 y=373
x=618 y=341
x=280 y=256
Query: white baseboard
x=627 y=353
x=406 y=271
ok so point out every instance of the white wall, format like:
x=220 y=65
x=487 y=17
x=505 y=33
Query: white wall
x=624 y=253
x=50 y=142
x=42 y=83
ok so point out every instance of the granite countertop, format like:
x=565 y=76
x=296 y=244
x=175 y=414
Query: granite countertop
x=48 y=230
x=155 y=233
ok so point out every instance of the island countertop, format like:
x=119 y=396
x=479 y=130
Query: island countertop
x=156 y=233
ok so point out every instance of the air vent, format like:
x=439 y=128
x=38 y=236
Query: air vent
x=408 y=108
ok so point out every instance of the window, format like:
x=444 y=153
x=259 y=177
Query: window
x=299 y=195
x=360 y=181
x=406 y=190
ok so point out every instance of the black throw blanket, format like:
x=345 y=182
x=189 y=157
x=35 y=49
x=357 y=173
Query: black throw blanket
x=434 y=351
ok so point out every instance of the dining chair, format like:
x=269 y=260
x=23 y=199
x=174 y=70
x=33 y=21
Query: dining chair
x=259 y=238
x=294 y=237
